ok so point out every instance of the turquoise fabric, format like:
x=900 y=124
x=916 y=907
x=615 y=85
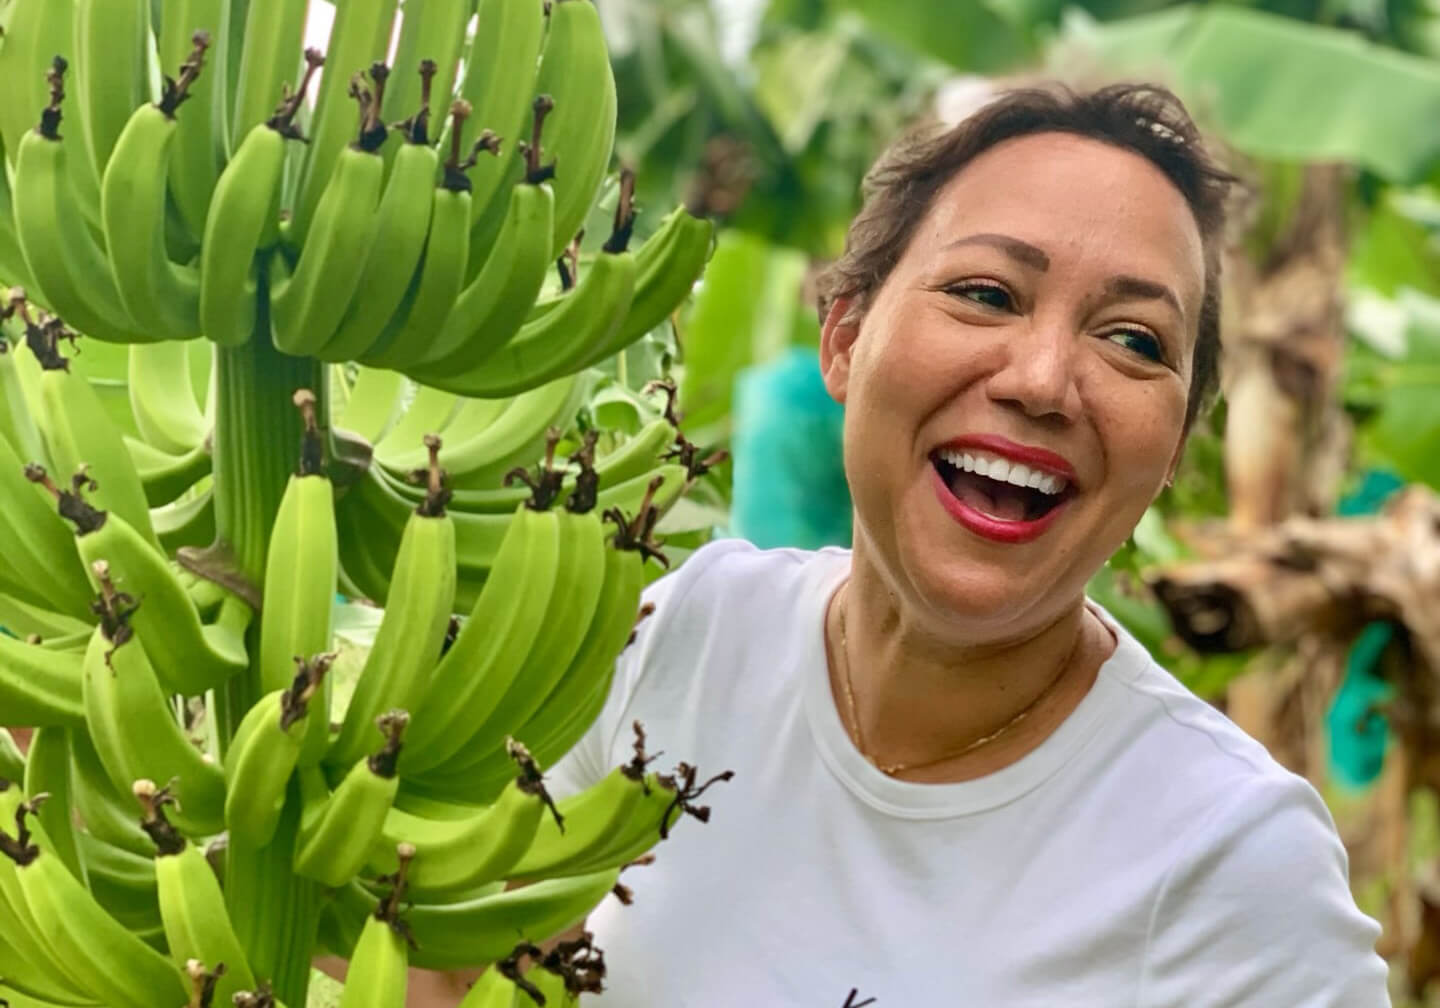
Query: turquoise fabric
x=1359 y=735
x=789 y=487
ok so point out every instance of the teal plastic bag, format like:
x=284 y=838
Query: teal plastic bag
x=789 y=487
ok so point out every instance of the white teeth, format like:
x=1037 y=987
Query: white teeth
x=1002 y=469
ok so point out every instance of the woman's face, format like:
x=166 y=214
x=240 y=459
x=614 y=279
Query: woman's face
x=1043 y=316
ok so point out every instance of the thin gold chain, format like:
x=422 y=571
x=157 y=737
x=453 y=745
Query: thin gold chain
x=891 y=769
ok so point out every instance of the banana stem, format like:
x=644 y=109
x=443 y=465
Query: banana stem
x=257 y=438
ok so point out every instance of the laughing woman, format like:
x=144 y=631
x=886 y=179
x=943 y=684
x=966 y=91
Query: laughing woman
x=957 y=780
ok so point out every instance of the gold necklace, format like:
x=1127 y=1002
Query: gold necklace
x=891 y=769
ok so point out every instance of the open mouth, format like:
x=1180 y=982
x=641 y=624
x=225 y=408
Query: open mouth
x=1002 y=490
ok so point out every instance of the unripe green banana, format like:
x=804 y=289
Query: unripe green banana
x=12 y=760
x=134 y=728
x=309 y=305
x=493 y=643
x=264 y=752
x=359 y=39
x=19 y=374
x=273 y=34
x=105 y=960
x=188 y=656
x=123 y=882
x=162 y=297
x=380 y=960
x=454 y=855
x=39 y=686
x=112 y=46
x=200 y=138
x=402 y=221
x=300 y=579
x=166 y=413
x=435 y=31
x=485 y=928
x=244 y=215
x=65 y=260
x=412 y=631
x=47 y=771
x=192 y=904
x=575 y=72
x=492 y=307
x=109 y=816
x=166 y=478
x=337 y=830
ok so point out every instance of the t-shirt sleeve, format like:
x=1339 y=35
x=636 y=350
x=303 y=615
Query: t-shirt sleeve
x=1259 y=912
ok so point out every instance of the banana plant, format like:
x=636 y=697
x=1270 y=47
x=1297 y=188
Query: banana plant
x=260 y=347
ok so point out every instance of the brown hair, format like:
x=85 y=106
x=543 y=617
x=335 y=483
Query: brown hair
x=1144 y=118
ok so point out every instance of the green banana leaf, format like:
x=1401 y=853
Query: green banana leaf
x=1278 y=88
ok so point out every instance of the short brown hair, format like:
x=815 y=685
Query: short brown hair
x=1144 y=118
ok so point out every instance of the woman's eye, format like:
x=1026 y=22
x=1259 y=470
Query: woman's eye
x=988 y=295
x=1140 y=341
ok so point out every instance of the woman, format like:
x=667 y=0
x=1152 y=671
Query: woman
x=957 y=781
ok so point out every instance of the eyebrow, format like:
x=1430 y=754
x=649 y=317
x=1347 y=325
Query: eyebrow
x=1016 y=249
x=1135 y=287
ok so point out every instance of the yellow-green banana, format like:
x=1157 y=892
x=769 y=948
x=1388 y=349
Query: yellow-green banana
x=39 y=686
x=269 y=63
x=199 y=138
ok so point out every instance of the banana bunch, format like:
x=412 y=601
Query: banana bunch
x=154 y=192
x=217 y=788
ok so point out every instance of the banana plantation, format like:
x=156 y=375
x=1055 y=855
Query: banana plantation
x=362 y=363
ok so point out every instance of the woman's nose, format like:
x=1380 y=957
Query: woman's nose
x=1037 y=371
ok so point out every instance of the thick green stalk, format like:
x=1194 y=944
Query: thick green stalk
x=257 y=438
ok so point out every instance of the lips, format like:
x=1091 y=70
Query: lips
x=1000 y=490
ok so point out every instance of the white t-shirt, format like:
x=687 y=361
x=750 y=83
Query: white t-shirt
x=1147 y=854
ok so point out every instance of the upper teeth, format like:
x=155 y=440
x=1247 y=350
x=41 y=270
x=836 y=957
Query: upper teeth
x=997 y=468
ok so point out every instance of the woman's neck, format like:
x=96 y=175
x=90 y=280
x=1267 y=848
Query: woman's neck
x=928 y=705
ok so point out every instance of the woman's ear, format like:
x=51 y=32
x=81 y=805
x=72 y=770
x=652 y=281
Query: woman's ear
x=837 y=342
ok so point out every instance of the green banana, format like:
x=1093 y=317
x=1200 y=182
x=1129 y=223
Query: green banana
x=82 y=441
x=264 y=752
x=13 y=270
x=108 y=816
x=569 y=612
x=36 y=31
x=199 y=138
x=499 y=84
x=274 y=31
x=112 y=43
x=47 y=771
x=380 y=960
x=134 y=729
x=188 y=656
x=488 y=438
x=428 y=412
x=67 y=264
x=40 y=564
x=338 y=829
x=192 y=905
x=503 y=627
x=575 y=72
x=373 y=404
x=560 y=718
x=668 y=264
x=300 y=578
x=453 y=855
x=106 y=960
x=166 y=478
x=244 y=213
x=17 y=372
x=123 y=882
x=437 y=283
x=411 y=634
x=308 y=306
x=186 y=522
x=433 y=30
x=402 y=222
x=12 y=760
x=162 y=297
x=486 y=928
x=39 y=686
x=559 y=343
x=169 y=418
x=359 y=38
x=30 y=964
x=491 y=308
